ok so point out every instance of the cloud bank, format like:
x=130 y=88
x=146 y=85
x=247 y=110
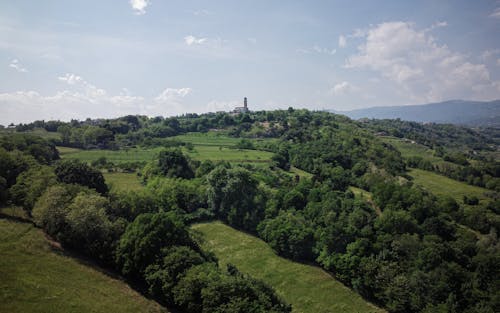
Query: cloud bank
x=81 y=99
x=424 y=69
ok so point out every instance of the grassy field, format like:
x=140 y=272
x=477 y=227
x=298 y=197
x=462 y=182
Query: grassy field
x=35 y=277
x=208 y=139
x=409 y=149
x=444 y=186
x=216 y=153
x=37 y=132
x=217 y=139
x=307 y=288
x=206 y=146
x=115 y=156
x=123 y=181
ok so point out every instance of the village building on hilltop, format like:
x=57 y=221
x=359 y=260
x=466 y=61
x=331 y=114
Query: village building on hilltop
x=243 y=109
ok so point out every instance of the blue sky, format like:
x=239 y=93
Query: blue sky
x=78 y=59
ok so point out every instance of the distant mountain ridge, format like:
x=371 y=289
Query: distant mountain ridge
x=471 y=113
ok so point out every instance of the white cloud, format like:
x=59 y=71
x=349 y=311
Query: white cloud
x=496 y=13
x=317 y=49
x=423 y=69
x=202 y=12
x=342 y=41
x=498 y=62
x=489 y=53
x=437 y=25
x=17 y=66
x=191 y=40
x=83 y=99
x=139 y=6
x=70 y=79
x=173 y=94
x=342 y=88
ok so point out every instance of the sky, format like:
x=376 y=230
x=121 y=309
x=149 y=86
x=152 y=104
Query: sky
x=103 y=59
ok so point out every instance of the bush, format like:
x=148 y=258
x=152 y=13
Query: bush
x=173 y=163
x=30 y=185
x=77 y=172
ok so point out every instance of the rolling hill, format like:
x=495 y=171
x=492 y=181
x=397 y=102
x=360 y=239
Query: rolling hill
x=472 y=113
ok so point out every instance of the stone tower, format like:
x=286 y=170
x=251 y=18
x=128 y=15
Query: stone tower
x=245 y=104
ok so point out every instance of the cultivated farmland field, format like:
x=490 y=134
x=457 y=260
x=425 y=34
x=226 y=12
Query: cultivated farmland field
x=35 y=277
x=308 y=288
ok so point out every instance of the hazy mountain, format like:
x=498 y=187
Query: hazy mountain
x=474 y=113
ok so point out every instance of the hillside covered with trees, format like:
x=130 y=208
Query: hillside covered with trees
x=287 y=176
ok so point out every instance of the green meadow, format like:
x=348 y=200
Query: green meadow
x=37 y=276
x=444 y=186
x=205 y=146
x=123 y=181
x=115 y=156
x=307 y=288
x=409 y=149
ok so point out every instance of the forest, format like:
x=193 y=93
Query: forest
x=318 y=187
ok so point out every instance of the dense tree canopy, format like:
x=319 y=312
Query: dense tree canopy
x=77 y=172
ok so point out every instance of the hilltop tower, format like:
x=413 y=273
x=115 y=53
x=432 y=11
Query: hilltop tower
x=243 y=109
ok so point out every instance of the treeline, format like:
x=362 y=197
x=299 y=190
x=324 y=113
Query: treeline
x=148 y=242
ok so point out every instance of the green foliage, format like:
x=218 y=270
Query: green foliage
x=179 y=194
x=144 y=238
x=13 y=163
x=43 y=151
x=51 y=208
x=205 y=288
x=89 y=228
x=78 y=219
x=232 y=195
x=173 y=163
x=162 y=277
x=31 y=184
x=128 y=204
x=245 y=144
x=77 y=172
x=290 y=235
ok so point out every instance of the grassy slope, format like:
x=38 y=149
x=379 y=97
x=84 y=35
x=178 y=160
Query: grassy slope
x=115 y=156
x=123 y=181
x=409 y=149
x=444 y=186
x=307 y=288
x=36 y=278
